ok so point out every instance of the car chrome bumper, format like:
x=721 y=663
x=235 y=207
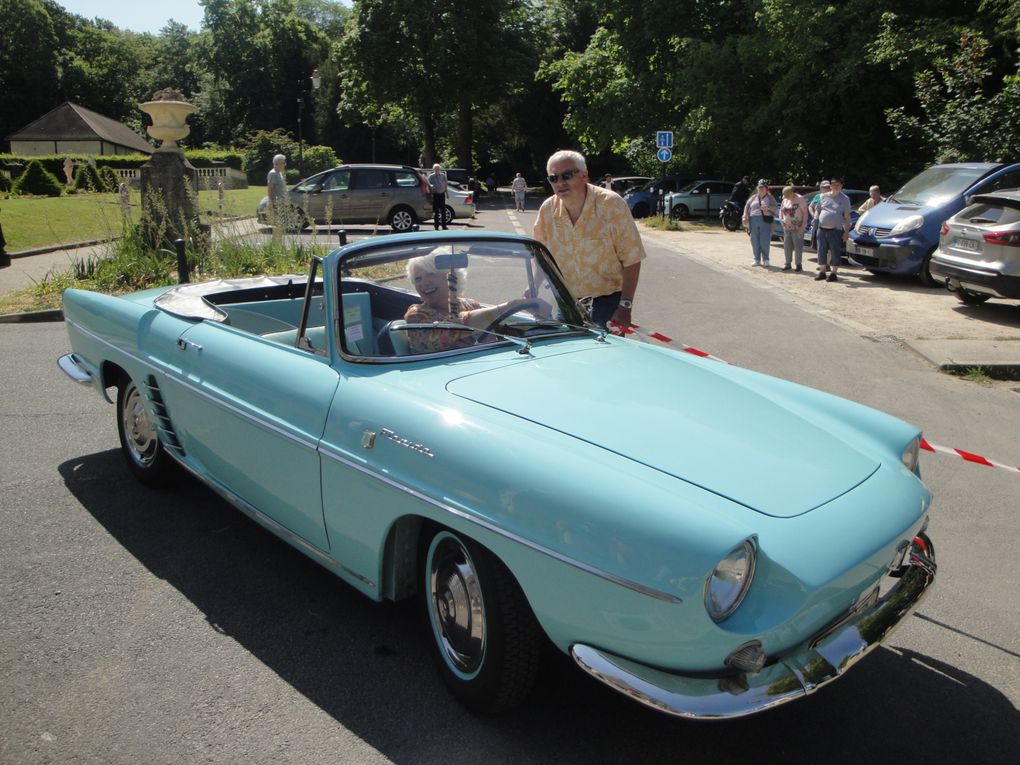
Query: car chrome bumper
x=893 y=257
x=74 y=369
x=799 y=673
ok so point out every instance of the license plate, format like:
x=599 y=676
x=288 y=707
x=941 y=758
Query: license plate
x=967 y=244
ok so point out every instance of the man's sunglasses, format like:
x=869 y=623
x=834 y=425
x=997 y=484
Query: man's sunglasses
x=565 y=175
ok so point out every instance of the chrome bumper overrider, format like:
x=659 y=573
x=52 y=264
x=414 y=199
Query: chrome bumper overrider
x=813 y=664
x=74 y=369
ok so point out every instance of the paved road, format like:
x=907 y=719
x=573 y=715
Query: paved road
x=143 y=626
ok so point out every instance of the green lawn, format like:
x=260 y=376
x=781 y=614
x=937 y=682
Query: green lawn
x=39 y=221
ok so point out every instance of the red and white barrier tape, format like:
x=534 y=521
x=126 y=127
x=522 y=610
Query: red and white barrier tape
x=927 y=445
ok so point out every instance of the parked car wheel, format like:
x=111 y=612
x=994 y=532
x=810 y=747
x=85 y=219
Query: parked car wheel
x=402 y=219
x=640 y=210
x=447 y=215
x=971 y=298
x=680 y=212
x=297 y=221
x=139 y=443
x=486 y=640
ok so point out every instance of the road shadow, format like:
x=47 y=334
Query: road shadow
x=367 y=665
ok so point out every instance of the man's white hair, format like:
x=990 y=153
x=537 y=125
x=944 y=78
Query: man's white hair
x=564 y=155
x=279 y=159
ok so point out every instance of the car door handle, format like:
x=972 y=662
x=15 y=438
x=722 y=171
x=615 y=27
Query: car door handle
x=183 y=344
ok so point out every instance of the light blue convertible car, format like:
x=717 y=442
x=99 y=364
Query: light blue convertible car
x=428 y=415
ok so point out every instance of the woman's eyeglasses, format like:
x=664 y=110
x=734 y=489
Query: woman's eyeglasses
x=565 y=175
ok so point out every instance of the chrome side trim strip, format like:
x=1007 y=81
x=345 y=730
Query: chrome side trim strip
x=488 y=526
x=155 y=369
x=263 y=519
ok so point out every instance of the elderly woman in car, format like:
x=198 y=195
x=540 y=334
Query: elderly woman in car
x=441 y=304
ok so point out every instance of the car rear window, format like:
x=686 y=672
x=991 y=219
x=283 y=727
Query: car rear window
x=990 y=214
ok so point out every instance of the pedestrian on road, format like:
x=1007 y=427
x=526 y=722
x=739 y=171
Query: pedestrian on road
x=793 y=216
x=758 y=215
x=823 y=188
x=276 y=195
x=607 y=182
x=593 y=239
x=520 y=187
x=437 y=183
x=833 y=229
x=874 y=197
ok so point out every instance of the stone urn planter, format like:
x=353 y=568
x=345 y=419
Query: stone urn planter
x=169 y=117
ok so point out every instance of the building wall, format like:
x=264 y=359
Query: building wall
x=47 y=148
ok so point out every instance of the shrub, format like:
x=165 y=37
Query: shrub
x=36 y=180
x=86 y=179
x=319 y=158
x=5 y=184
x=108 y=178
x=259 y=149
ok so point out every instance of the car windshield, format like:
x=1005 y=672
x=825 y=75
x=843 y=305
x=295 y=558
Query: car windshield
x=432 y=296
x=937 y=184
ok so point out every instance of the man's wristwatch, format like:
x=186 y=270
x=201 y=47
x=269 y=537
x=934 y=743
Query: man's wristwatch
x=626 y=304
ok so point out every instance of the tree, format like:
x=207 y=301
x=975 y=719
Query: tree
x=28 y=71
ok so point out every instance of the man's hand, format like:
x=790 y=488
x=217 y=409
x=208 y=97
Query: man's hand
x=621 y=316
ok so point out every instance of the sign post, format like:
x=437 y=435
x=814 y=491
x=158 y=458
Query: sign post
x=664 y=145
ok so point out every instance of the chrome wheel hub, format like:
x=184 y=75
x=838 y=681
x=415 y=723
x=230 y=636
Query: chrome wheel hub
x=458 y=609
x=139 y=434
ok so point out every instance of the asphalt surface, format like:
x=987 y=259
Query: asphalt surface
x=145 y=626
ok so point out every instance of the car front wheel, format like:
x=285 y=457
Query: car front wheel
x=402 y=219
x=484 y=636
x=139 y=443
x=680 y=212
x=927 y=277
x=971 y=298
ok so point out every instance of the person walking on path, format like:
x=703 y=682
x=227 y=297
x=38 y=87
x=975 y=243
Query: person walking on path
x=520 y=187
x=793 y=216
x=833 y=229
x=276 y=195
x=437 y=183
x=593 y=239
x=758 y=214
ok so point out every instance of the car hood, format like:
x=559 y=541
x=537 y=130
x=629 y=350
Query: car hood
x=888 y=214
x=686 y=418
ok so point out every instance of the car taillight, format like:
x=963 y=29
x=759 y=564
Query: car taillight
x=424 y=186
x=1004 y=238
x=945 y=229
x=469 y=199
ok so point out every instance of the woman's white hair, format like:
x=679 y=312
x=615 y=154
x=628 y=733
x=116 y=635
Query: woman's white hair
x=568 y=155
x=427 y=264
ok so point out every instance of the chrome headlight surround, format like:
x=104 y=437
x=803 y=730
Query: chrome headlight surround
x=728 y=583
x=908 y=224
x=910 y=454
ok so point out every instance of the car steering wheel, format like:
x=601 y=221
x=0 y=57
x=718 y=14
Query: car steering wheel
x=510 y=311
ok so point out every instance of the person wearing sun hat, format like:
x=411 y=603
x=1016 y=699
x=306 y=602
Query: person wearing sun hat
x=833 y=223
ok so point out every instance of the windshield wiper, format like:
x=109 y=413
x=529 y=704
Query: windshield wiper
x=524 y=345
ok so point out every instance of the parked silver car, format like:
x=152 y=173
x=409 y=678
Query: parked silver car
x=979 y=249
x=395 y=194
x=460 y=203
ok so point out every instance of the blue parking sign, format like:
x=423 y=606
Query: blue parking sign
x=664 y=139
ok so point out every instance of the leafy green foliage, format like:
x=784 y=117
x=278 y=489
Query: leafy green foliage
x=260 y=147
x=37 y=180
x=86 y=179
x=108 y=178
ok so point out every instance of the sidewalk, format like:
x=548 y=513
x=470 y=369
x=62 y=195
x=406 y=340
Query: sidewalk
x=932 y=322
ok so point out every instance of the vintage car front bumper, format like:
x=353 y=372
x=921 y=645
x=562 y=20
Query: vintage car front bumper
x=797 y=673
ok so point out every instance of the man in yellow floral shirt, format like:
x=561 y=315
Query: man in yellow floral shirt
x=592 y=236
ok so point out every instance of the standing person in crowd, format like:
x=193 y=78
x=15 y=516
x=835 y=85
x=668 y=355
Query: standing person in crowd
x=607 y=182
x=741 y=191
x=874 y=197
x=276 y=195
x=833 y=224
x=759 y=211
x=437 y=183
x=793 y=216
x=823 y=188
x=593 y=239
x=520 y=187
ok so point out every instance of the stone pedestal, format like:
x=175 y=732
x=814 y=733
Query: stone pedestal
x=168 y=204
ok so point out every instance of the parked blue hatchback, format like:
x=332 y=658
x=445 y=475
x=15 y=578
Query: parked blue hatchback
x=900 y=235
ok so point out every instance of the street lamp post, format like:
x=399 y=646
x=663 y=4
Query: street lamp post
x=316 y=81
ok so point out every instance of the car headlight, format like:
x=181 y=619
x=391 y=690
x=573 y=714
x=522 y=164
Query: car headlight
x=910 y=454
x=910 y=223
x=726 y=587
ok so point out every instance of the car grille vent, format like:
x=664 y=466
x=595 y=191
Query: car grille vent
x=883 y=231
x=165 y=427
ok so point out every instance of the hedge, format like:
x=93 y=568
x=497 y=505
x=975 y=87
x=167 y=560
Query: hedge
x=37 y=180
x=54 y=163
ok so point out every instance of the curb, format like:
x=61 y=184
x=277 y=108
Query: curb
x=32 y=317
x=57 y=247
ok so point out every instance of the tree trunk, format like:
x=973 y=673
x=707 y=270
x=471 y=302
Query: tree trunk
x=465 y=124
x=428 y=127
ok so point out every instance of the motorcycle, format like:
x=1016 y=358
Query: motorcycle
x=731 y=215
